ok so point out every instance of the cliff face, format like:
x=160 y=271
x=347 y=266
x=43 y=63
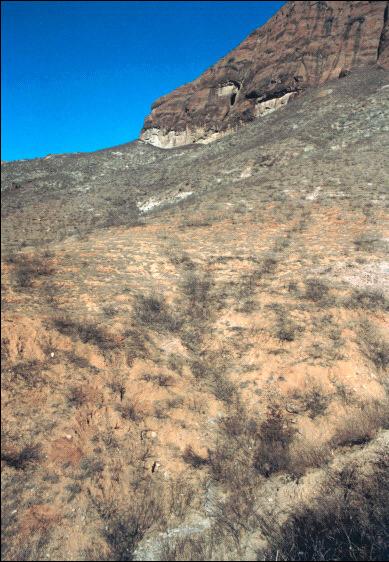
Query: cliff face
x=304 y=44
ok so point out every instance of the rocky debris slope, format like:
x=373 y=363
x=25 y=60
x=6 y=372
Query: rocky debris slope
x=305 y=44
x=340 y=129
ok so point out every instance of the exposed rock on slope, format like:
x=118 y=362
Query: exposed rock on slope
x=304 y=44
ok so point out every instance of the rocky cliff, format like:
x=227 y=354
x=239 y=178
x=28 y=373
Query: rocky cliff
x=304 y=44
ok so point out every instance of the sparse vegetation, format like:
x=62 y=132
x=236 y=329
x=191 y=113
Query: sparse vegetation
x=347 y=520
x=125 y=525
x=130 y=410
x=373 y=344
x=367 y=242
x=316 y=290
x=153 y=312
x=367 y=299
x=316 y=401
x=86 y=331
x=194 y=459
x=30 y=268
x=25 y=457
x=210 y=386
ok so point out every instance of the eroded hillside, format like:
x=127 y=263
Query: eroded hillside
x=195 y=351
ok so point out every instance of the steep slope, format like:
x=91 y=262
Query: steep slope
x=194 y=342
x=303 y=45
x=48 y=199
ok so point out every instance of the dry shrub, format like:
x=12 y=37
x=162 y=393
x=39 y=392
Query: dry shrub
x=316 y=290
x=362 y=424
x=367 y=299
x=126 y=524
x=347 y=520
x=77 y=396
x=194 y=459
x=373 y=344
x=29 y=268
x=131 y=410
x=20 y=460
x=86 y=331
x=152 y=311
x=275 y=437
x=196 y=547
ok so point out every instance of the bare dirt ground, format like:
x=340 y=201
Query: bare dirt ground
x=182 y=379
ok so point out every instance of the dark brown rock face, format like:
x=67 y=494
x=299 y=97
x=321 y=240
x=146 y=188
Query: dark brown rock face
x=304 y=44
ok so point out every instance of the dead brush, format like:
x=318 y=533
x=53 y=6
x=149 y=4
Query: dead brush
x=194 y=459
x=276 y=434
x=316 y=290
x=130 y=410
x=77 y=396
x=361 y=424
x=367 y=299
x=30 y=268
x=125 y=524
x=373 y=344
x=152 y=311
x=347 y=520
x=86 y=331
x=20 y=460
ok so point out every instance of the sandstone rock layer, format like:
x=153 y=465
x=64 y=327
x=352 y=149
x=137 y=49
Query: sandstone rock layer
x=304 y=44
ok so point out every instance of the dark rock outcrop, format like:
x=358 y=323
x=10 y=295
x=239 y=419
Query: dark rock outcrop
x=304 y=44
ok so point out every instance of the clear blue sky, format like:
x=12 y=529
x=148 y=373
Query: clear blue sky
x=79 y=76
